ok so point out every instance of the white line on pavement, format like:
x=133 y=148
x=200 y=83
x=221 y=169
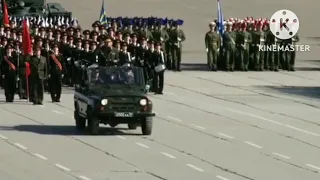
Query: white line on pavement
x=20 y=146
x=57 y=112
x=40 y=156
x=3 y=137
x=253 y=144
x=168 y=155
x=199 y=127
x=62 y=167
x=222 y=178
x=195 y=167
x=142 y=145
x=121 y=137
x=175 y=119
x=225 y=135
x=281 y=155
x=274 y=122
x=84 y=178
x=313 y=166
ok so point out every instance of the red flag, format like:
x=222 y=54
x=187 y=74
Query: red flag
x=28 y=70
x=5 y=13
x=26 y=40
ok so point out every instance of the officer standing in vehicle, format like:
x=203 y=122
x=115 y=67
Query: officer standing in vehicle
x=158 y=58
x=9 y=73
x=38 y=65
x=56 y=70
x=212 y=43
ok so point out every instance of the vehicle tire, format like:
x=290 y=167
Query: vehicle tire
x=80 y=121
x=93 y=124
x=146 y=125
x=132 y=126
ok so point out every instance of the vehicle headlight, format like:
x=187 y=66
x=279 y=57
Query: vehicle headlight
x=104 y=102
x=143 y=102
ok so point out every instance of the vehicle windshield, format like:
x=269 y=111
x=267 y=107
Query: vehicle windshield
x=109 y=76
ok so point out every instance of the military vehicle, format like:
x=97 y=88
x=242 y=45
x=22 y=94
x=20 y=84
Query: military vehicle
x=113 y=95
x=27 y=8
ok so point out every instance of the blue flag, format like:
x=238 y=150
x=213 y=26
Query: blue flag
x=220 y=19
x=103 y=15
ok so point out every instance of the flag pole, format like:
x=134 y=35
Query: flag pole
x=27 y=83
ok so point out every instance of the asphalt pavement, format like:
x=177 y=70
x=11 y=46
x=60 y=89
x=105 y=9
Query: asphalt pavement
x=209 y=125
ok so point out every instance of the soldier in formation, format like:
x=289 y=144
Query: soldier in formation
x=60 y=47
x=239 y=47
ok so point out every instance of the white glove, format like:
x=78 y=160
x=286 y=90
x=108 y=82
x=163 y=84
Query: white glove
x=62 y=75
x=218 y=49
x=179 y=39
x=207 y=49
x=69 y=59
x=133 y=58
x=49 y=76
x=3 y=76
x=18 y=79
x=161 y=39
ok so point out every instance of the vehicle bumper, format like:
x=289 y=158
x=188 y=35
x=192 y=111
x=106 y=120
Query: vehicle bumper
x=135 y=115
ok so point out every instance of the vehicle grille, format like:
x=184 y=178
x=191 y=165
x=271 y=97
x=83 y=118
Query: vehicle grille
x=123 y=104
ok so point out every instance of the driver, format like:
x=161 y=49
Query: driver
x=128 y=76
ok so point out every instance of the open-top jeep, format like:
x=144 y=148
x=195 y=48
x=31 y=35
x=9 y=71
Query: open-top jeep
x=113 y=95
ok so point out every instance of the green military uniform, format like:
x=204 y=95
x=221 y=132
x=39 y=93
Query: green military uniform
x=38 y=74
x=291 y=64
x=243 y=40
x=271 y=61
x=258 y=39
x=22 y=75
x=177 y=36
x=212 y=43
x=229 y=38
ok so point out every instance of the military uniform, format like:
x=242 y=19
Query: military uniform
x=177 y=36
x=9 y=74
x=229 y=43
x=158 y=58
x=212 y=44
x=56 y=70
x=38 y=65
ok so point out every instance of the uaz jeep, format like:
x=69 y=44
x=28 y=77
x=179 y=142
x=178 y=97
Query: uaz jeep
x=113 y=95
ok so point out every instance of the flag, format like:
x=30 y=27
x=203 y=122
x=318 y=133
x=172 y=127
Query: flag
x=26 y=40
x=5 y=13
x=103 y=15
x=220 y=19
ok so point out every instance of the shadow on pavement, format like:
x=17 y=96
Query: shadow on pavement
x=65 y=130
x=194 y=67
x=315 y=67
x=310 y=92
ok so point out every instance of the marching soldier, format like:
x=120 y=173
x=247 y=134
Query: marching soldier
x=158 y=61
x=142 y=59
x=9 y=73
x=56 y=70
x=212 y=43
x=38 y=65
x=177 y=36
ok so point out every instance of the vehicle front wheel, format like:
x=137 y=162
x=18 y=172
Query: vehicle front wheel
x=80 y=121
x=93 y=125
x=132 y=126
x=146 y=125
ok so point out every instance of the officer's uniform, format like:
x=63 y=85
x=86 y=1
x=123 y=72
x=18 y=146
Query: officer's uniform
x=158 y=58
x=9 y=74
x=38 y=74
x=56 y=70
